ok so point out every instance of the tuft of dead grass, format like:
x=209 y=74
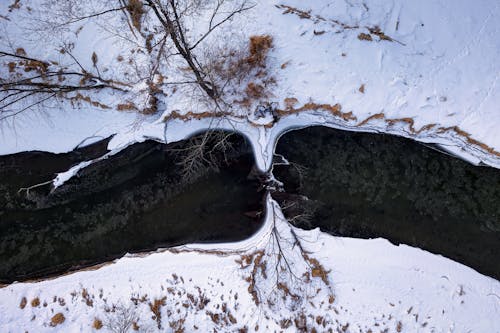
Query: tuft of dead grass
x=35 y=302
x=259 y=48
x=128 y=106
x=364 y=36
x=57 y=319
x=155 y=307
x=97 y=324
x=136 y=11
x=255 y=90
x=79 y=98
x=87 y=298
x=23 y=303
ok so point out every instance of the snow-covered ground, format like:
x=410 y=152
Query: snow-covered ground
x=373 y=285
x=429 y=71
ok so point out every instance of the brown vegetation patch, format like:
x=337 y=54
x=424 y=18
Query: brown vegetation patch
x=35 y=302
x=469 y=139
x=57 y=319
x=128 y=106
x=335 y=110
x=20 y=51
x=292 y=10
x=441 y=130
x=97 y=324
x=12 y=67
x=155 y=307
x=255 y=90
x=379 y=33
x=362 y=89
x=246 y=261
x=81 y=98
x=193 y=115
x=375 y=116
x=23 y=303
x=317 y=270
x=307 y=14
x=285 y=65
x=290 y=102
x=87 y=298
x=363 y=36
x=136 y=11
x=259 y=48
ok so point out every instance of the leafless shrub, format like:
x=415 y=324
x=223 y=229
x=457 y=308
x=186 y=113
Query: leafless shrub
x=120 y=318
x=239 y=70
x=202 y=153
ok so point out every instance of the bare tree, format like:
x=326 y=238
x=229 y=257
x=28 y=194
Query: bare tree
x=27 y=80
x=284 y=278
x=32 y=81
x=202 y=153
x=171 y=14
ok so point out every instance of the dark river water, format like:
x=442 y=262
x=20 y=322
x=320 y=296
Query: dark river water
x=134 y=201
x=371 y=185
x=357 y=184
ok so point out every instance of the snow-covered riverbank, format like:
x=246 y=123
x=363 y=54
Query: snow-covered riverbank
x=427 y=70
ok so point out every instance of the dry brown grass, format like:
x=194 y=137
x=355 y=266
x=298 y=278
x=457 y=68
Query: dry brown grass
x=23 y=303
x=155 y=307
x=335 y=110
x=193 y=115
x=20 y=51
x=441 y=130
x=255 y=90
x=12 y=66
x=35 y=302
x=136 y=11
x=378 y=32
x=259 y=48
x=87 y=298
x=290 y=103
x=128 y=106
x=78 y=98
x=57 y=319
x=245 y=261
x=364 y=36
x=97 y=324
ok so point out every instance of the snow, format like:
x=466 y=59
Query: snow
x=376 y=285
x=442 y=69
